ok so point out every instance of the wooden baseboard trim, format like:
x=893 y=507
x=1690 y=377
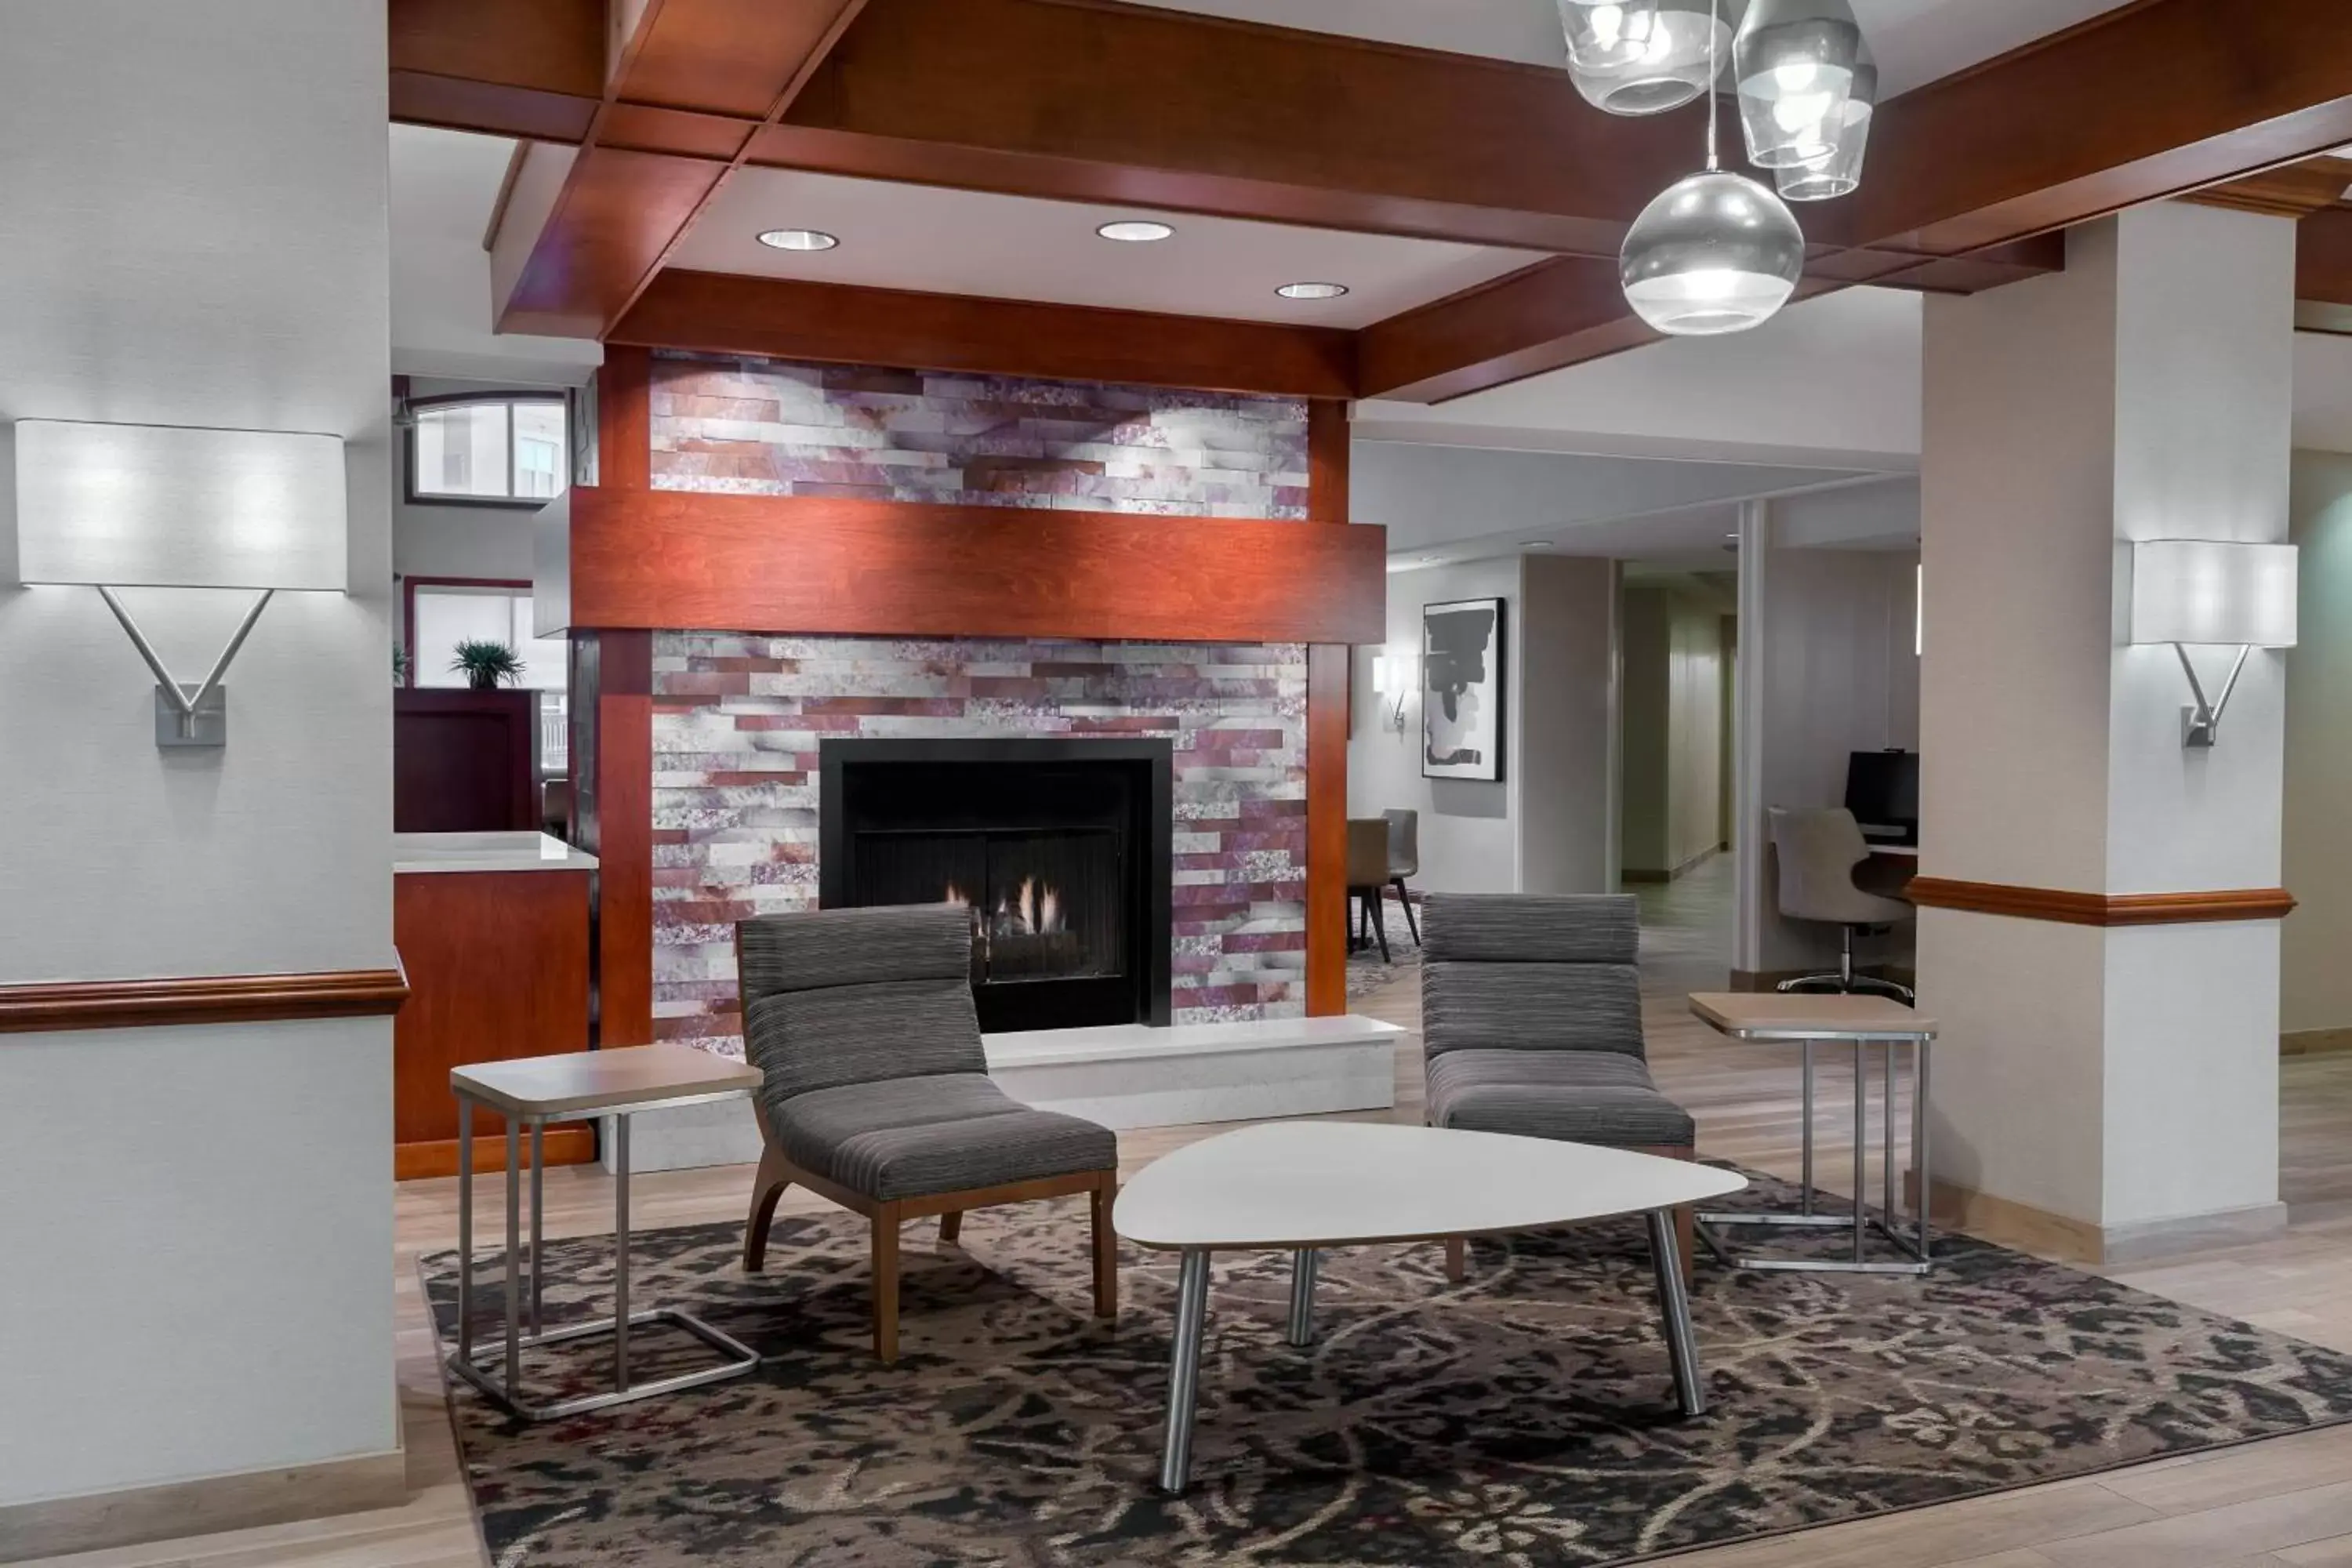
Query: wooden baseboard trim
x=1675 y=875
x=416 y=1161
x=2008 y=1223
x=99 y=1520
x=2070 y=908
x=202 y=999
x=2315 y=1042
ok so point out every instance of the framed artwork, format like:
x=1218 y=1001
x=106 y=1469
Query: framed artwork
x=1462 y=654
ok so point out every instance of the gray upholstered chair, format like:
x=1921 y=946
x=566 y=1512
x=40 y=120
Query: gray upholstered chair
x=877 y=1095
x=1405 y=860
x=1531 y=1024
x=1816 y=849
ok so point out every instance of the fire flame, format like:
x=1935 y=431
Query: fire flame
x=1035 y=908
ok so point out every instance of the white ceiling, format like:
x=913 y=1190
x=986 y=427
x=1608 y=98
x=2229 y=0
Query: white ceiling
x=959 y=242
x=1915 y=40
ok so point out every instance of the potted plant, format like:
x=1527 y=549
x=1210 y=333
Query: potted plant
x=485 y=664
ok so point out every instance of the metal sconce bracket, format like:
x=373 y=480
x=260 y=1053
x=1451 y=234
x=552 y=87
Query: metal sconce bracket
x=188 y=715
x=2200 y=725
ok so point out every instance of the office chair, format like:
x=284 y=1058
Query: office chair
x=1818 y=851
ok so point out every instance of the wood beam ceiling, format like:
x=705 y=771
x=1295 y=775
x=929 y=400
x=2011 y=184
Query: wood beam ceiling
x=584 y=231
x=1971 y=177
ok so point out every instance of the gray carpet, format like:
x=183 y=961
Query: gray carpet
x=1521 y=1418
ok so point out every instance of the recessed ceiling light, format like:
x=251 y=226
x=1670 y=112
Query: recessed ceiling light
x=798 y=239
x=1135 y=231
x=1539 y=544
x=1312 y=291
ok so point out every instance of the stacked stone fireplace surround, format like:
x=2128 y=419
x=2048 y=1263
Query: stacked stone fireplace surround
x=738 y=720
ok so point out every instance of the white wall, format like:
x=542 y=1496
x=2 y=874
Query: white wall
x=1833 y=650
x=1548 y=824
x=1672 y=658
x=1469 y=837
x=2315 y=983
x=2120 y=1076
x=1567 y=726
x=195 y=234
x=443 y=185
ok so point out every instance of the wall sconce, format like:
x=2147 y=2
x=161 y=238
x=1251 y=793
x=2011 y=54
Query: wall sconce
x=122 y=506
x=2191 y=591
x=1394 y=676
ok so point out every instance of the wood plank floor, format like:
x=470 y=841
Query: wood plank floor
x=2288 y=1502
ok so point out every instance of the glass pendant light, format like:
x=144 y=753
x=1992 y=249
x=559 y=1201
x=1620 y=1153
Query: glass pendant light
x=1796 y=61
x=1838 y=172
x=1643 y=57
x=1714 y=253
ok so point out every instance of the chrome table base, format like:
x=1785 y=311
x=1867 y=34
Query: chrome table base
x=506 y=1391
x=1193 y=1317
x=1916 y=1242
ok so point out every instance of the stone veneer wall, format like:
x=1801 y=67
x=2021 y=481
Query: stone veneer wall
x=738 y=720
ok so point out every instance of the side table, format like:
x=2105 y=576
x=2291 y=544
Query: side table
x=1860 y=1021
x=531 y=1091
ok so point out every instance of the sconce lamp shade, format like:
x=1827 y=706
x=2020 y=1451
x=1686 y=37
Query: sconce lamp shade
x=2213 y=591
x=165 y=506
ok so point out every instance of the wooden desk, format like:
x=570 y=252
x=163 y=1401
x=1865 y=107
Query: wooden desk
x=494 y=930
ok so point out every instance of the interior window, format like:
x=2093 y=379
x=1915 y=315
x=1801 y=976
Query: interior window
x=499 y=449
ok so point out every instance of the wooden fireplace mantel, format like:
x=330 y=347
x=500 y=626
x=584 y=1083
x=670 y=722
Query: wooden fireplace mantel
x=642 y=559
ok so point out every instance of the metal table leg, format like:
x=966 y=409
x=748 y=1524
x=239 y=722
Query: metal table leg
x=1805 y=1202
x=1886 y=1127
x=506 y=1391
x=1917 y=1259
x=464 y=1229
x=1302 y=1297
x=1184 y=1373
x=538 y=1164
x=621 y=1253
x=1920 y=1169
x=1674 y=1304
x=514 y=1247
x=1861 y=1154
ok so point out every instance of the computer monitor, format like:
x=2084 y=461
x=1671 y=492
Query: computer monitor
x=1882 y=790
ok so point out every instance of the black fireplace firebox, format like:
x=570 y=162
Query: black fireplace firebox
x=1060 y=848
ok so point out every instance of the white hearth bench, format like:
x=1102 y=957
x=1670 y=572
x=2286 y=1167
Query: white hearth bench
x=1125 y=1077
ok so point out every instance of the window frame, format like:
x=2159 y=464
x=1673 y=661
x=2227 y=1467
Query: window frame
x=507 y=400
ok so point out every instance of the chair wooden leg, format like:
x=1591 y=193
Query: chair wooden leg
x=886 y=1284
x=1410 y=922
x=1457 y=1258
x=766 y=1188
x=951 y=1226
x=1686 y=1240
x=1106 y=1247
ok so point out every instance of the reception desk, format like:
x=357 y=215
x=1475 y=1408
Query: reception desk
x=493 y=928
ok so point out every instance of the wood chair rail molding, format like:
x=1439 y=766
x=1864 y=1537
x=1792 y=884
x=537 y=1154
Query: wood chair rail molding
x=652 y=560
x=201 y=999
x=2070 y=908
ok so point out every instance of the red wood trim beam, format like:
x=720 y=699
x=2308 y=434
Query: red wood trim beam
x=2323 y=257
x=2069 y=908
x=2296 y=191
x=1329 y=442
x=841 y=324
x=570 y=261
x=821 y=564
x=2153 y=100
x=202 y=999
x=532 y=69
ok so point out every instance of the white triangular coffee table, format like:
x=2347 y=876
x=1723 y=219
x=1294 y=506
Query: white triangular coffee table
x=1301 y=1186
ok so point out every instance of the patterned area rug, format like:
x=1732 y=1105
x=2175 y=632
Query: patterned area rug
x=1367 y=973
x=1522 y=1418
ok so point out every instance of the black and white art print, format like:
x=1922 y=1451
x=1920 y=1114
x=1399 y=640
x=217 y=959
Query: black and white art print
x=1462 y=690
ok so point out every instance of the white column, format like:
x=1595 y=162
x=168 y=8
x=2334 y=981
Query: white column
x=2123 y=1079
x=196 y=1222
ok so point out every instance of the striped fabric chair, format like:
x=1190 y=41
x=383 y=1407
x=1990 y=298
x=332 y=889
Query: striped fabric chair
x=1531 y=1024
x=877 y=1095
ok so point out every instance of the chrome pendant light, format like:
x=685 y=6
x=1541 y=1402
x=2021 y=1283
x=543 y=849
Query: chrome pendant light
x=1799 y=66
x=1714 y=253
x=1643 y=57
x=1838 y=172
